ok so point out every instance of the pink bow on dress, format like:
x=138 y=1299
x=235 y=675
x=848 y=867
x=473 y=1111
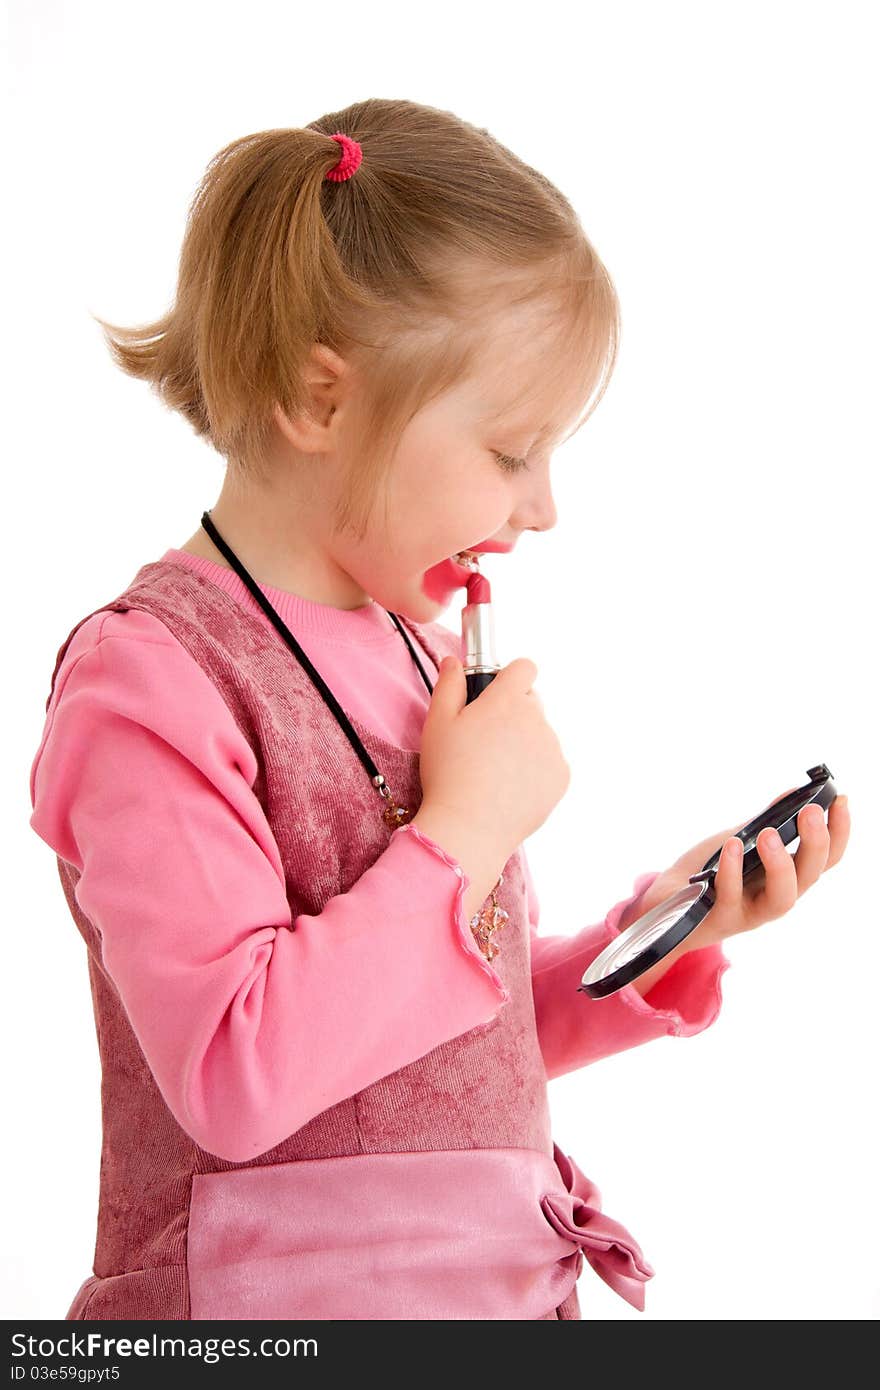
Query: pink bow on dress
x=611 y=1250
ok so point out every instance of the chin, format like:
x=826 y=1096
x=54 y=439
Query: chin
x=413 y=604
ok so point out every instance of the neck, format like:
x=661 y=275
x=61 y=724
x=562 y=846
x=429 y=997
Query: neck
x=276 y=551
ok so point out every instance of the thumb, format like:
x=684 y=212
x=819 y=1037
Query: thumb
x=450 y=690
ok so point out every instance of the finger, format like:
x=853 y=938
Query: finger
x=780 y=890
x=776 y=802
x=839 y=828
x=728 y=877
x=815 y=844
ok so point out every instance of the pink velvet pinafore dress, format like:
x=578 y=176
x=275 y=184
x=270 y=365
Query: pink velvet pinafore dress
x=436 y=1192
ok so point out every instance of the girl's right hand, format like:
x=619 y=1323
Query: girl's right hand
x=495 y=761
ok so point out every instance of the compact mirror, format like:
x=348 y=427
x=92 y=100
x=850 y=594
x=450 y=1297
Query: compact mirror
x=659 y=931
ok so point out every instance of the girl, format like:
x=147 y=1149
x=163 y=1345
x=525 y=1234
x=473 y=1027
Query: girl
x=325 y=1017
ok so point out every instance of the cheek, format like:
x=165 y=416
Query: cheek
x=435 y=497
x=443 y=494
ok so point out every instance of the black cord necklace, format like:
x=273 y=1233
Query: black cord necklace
x=484 y=923
x=392 y=814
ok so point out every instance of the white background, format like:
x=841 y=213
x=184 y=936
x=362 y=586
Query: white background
x=716 y=544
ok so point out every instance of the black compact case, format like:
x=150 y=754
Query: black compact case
x=659 y=931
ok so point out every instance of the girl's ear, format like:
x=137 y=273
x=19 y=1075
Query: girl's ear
x=327 y=377
x=325 y=368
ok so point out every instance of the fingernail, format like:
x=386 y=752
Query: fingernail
x=735 y=847
x=773 y=840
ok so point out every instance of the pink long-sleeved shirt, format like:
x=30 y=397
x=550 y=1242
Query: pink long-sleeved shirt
x=144 y=782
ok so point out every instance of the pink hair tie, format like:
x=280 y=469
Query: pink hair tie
x=349 y=160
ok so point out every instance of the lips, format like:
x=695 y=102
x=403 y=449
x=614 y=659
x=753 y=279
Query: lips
x=443 y=579
x=486 y=548
x=491 y=547
x=462 y=570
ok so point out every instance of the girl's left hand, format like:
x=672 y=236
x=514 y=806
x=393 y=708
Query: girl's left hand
x=740 y=907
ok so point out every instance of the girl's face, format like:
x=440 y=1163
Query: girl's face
x=472 y=466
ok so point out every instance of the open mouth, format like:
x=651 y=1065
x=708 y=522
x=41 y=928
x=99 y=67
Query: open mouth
x=468 y=559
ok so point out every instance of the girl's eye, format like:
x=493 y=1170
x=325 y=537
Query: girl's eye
x=510 y=465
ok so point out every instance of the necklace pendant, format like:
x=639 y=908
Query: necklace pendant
x=489 y=919
x=395 y=816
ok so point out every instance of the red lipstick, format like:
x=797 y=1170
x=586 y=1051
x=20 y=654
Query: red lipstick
x=478 y=590
x=478 y=634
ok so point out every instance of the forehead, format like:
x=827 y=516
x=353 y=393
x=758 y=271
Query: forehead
x=531 y=373
x=537 y=389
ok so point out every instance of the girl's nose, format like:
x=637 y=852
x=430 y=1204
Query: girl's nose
x=536 y=510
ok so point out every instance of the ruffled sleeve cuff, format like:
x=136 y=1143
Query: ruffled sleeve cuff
x=688 y=995
x=464 y=941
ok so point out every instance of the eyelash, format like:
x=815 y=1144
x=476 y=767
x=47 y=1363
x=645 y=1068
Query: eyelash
x=510 y=465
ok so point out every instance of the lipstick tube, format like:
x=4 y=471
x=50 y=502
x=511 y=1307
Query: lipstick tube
x=478 y=635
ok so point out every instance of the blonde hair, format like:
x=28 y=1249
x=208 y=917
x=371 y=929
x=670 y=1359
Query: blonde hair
x=395 y=269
